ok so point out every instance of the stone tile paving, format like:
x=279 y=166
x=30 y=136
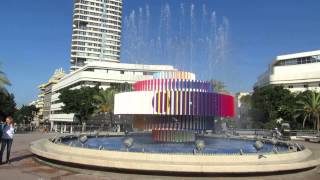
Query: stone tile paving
x=24 y=167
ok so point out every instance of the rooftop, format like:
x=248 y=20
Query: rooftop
x=297 y=55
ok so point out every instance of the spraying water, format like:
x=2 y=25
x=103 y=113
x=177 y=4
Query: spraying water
x=188 y=38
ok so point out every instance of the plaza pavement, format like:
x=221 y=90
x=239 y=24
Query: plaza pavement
x=25 y=167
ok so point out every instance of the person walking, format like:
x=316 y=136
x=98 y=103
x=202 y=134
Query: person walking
x=7 y=137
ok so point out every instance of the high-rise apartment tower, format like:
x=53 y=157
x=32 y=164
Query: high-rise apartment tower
x=96 y=31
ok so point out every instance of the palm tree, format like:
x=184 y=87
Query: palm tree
x=105 y=101
x=310 y=108
x=3 y=80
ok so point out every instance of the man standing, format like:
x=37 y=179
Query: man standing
x=7 y=138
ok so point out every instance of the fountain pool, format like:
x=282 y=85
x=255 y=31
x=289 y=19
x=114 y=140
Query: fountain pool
x=145 y=143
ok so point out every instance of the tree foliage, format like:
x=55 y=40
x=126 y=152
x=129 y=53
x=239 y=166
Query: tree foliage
x=81 y=102
x=25 y=114
x=270 y=103
x=246 y=101
x=105 y=100
x=7 y=103
x=310 y=108
x=3 y=80
x=121 y=87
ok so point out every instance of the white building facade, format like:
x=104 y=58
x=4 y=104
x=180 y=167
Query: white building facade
x=296 y=72
x=102 y=74
x=96 y=31
x=43 y=102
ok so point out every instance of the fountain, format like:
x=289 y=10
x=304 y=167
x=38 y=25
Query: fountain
x=171 y=114
x=174 y=106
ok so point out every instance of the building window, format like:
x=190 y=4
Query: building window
x=306 y=86
x=121 y=72
x=89 y=69
x=290 y=86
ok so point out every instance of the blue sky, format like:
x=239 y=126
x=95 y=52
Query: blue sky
x=35 y=37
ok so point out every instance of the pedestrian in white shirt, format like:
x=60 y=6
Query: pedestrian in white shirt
x=7 y=138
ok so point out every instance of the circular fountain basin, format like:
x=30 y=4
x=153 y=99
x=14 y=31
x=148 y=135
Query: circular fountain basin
x=220 y=155
x=144 y=143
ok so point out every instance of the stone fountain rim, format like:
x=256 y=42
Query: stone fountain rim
x=174 y=163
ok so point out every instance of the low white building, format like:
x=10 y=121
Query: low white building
x=297 y=72
x=98 y=73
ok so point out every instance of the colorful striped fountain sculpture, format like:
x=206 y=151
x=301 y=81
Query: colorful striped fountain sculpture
x=174 y=106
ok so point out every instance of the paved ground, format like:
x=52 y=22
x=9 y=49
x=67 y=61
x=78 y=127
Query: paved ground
x=25 y=167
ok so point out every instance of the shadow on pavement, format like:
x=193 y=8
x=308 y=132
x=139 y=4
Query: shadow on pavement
x=19 y=158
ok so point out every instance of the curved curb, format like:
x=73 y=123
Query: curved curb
x=174 y=163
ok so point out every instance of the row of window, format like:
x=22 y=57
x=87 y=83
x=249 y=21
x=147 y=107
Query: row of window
x=82 y=7
x=116 y=23
x=302 y=60
x=85 y=5
x=110 y=4
x=94 y=49
x=85 y=44
x=305 y=86
x=86 y=49
x=94 y=44
x=84 y=27
x=57 y=112
x=108 y=53
x=122 y=72
x=106 y=14
x=102 y=2
x=75 y=37
x=79 y=61
x=86 y=38
x=116 y=58
x=86 y=33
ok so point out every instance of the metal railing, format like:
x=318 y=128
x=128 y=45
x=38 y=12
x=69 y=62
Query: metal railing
x=266 y=132
x=86 y=128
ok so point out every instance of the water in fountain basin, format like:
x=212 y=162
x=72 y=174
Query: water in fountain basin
x=144 y=143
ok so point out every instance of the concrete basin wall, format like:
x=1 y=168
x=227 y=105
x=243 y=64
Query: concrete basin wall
x=234 y=163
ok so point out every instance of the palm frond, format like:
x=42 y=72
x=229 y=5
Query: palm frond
x=310 y=107
x=105 y=100
x=4 y=81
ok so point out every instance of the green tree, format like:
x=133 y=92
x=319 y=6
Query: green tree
x=25 y=114
x=310 y=108
x=3 y=80
x=270 y=103
x=81 y=102
x=121 y=87
x=7 y=103
x=105 y=102
x=246 y=101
